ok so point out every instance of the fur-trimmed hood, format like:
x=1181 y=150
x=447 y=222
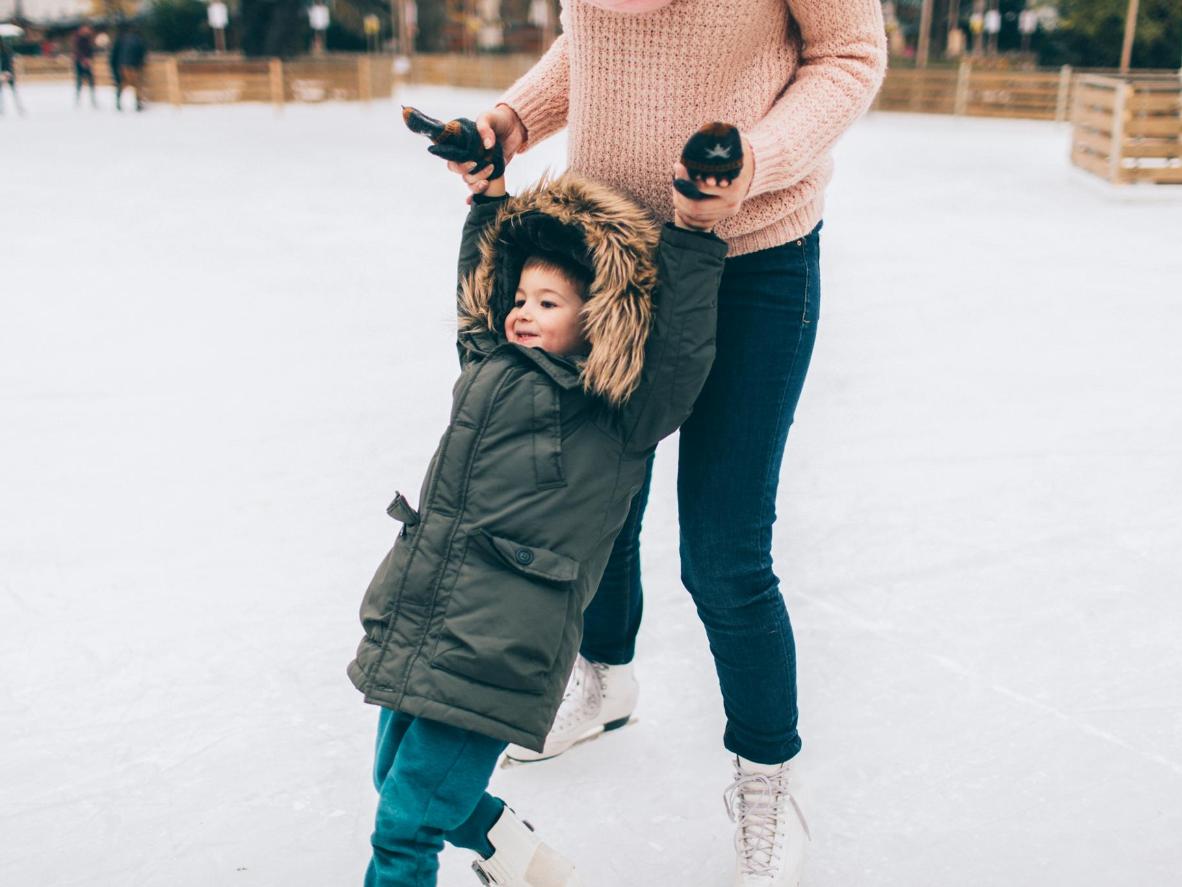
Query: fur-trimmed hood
x=601 y=230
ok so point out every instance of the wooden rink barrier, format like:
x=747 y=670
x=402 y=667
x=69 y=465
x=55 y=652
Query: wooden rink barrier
x=1128 y=130
x=206 y=80
x=199 y=79
x=477 y=72
x=973 y=92
x=211 y=79
x=1125 y=129
x=39 y=69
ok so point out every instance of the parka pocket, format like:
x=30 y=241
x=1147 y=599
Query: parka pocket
x=507 y=613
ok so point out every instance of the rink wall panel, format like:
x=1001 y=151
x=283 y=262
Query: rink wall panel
x=208 y=79
x=1128 y=130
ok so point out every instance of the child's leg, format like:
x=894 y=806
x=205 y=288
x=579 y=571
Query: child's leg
x=472 y=833
x=391 y=728
x=433 y=788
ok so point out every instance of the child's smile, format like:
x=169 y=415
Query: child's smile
x=546 y=313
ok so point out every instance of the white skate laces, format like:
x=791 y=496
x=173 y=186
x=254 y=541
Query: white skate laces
x=759 y=804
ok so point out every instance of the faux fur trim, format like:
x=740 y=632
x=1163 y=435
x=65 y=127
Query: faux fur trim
x=620 y=239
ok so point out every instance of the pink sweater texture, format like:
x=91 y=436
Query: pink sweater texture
x=631 y=87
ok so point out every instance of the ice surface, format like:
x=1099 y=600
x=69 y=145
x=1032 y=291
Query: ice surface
x=225 y=340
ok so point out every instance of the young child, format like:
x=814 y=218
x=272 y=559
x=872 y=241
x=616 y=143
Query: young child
x=586 y=333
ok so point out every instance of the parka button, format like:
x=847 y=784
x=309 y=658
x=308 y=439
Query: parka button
x=524 y=556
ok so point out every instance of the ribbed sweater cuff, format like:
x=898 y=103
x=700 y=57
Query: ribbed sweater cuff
x=539 y=98
x=542 y=115
x=773 y=169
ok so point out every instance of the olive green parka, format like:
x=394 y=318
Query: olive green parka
x=476 y=614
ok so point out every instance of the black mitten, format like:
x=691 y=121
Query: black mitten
x=714 y=150
x=457 y=140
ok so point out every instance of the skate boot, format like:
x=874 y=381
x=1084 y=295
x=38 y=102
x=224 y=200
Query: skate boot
x=598 y=698
x=521 y=860
x=771 y=831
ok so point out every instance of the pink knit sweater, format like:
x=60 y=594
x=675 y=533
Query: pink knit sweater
x=791 y=74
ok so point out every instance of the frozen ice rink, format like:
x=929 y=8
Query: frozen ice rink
x=226 y=339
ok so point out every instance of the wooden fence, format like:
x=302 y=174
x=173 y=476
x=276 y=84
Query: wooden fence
x=208 y=79
x=980 y=92
x=1125 y=129
x=481 y=71
x=57 y=67
x=1036 y=95
x=1128 y=130
x=212 y=80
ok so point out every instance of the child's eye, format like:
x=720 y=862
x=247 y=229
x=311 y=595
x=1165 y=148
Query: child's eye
x=546 y=304
x=517 y=303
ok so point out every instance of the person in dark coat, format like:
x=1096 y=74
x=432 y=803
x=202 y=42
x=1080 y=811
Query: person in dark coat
x=133 y=55
x=113 y=57
x=8 y=76
x=84 y=64
x=586 y=332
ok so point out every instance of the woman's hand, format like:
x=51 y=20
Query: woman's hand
x=501 y=124
x=726 y=198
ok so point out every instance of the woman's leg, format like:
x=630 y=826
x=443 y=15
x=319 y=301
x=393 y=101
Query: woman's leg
x=612 y=620
x=730 y=454
x=432 y=782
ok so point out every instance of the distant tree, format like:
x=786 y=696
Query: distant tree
x=274 y=27
x=346 y=29
x=113 y=10
x=1090 y=34
x=432 y=18
x=173 y=25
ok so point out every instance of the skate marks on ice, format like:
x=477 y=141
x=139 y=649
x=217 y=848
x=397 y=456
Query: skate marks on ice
x=204 y=429
x=959 y=669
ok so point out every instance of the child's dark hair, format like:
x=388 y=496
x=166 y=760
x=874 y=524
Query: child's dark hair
x=570 y=271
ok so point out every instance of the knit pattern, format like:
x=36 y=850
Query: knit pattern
x=793 y=75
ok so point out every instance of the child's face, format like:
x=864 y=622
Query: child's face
x=546 y=313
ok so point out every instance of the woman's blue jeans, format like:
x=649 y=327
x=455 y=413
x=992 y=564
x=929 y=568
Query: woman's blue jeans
x=728 y=471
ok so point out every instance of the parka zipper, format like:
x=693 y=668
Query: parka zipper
x=425 y=505
x=471 y=456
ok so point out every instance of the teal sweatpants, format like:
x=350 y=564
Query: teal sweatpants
x=431 y=780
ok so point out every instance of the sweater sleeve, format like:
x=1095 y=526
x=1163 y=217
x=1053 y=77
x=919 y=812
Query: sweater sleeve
x=540 y=97
x=842 y=64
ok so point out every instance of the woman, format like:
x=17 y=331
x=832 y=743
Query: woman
x=793 y=75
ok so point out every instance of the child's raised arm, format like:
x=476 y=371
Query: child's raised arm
x=459 y=141
x=680 y=347
x=483 y=211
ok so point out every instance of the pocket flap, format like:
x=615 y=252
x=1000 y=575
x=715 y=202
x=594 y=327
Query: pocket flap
x=400 y=510
x=534 y=561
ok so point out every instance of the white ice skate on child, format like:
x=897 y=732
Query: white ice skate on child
x=771 y=833
x=521 y=860
x=598 y=698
